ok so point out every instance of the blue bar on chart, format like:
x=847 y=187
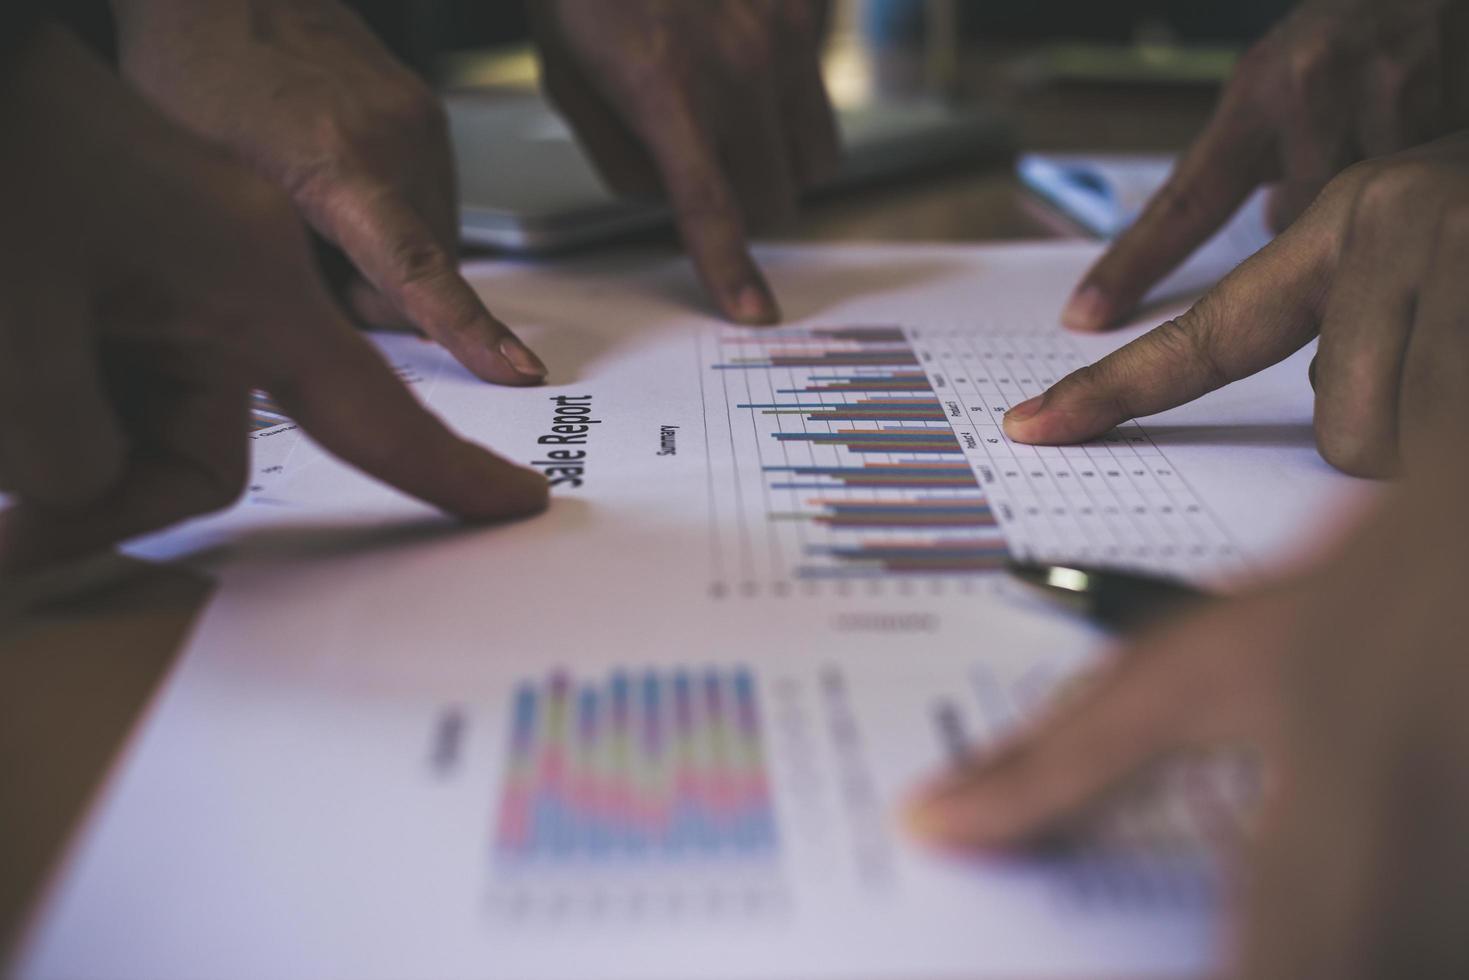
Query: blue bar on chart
x=265 y=413
x=918 y=475
x=637 y=768
x=889 y=439
x=894 y=409
x=894 y=381
x=920 y=512
x=915 y=557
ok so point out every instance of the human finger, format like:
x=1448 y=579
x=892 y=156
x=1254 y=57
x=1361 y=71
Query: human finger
x=759 y=161
x=707 y=211
x=336 y=386
x=61 y=444
x=192 y=458
x=1365 y=330
x=1316 y=144
x=813 y=141
x=1434 y=395
x=1233 y=156
x=398 y=252
x=1403 y=100
x=372 y=309
x=616 y=153
x=1261 y=313
x=1182 y=685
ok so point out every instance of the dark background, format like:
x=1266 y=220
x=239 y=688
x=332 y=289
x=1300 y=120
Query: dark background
x=417 y=29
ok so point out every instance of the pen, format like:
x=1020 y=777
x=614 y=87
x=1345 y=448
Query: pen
x=1120 y=601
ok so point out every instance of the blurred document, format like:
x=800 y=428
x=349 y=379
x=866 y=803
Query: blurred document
x=664 y=730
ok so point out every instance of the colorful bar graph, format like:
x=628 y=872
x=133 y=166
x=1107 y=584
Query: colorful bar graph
x=861 y=410
x=824 y=347
x=885 y=440
x=871 y=478
x=936 y=513
x=917 y=557
x=894 y=381
x=657 y=766
x=924 y=475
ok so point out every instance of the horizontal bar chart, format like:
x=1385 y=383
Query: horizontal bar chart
x=919 y=557
x=947 y=512
x=864 y=473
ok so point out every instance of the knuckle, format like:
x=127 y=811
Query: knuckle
x=418 y=262
x=1354 y=178
x=1187 y=340
x=1179 y=204
x=1387 y=189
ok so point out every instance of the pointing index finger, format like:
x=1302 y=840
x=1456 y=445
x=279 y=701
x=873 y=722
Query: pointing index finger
x=1261 y=313
x=397 y=251
x=330 y=380
x=1230 y=159
x=708 y=214
x=1204 y=678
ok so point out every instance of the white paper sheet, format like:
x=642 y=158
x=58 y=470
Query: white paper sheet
x=662 y=731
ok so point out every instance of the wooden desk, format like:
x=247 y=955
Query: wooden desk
x=75 y=674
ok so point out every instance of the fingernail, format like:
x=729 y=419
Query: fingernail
x=522 y=358
x=1025 y=409
x=930 y=816
x=1087 y=311
x=924 y=820
x=754 y=304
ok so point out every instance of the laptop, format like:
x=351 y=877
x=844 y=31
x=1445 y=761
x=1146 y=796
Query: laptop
x=527 y=188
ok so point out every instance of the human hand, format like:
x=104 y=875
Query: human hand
x=1361 y=871
x=147 y=284
x=719 y=106
x=1375 y=267
x=1191 y=685
x=302 y=91
x=1336 y=82
x=1306 y=671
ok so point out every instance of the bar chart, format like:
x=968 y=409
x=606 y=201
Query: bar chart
x=637 y=787
x=637 y=768
x=861 y=473
x=872 y=455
